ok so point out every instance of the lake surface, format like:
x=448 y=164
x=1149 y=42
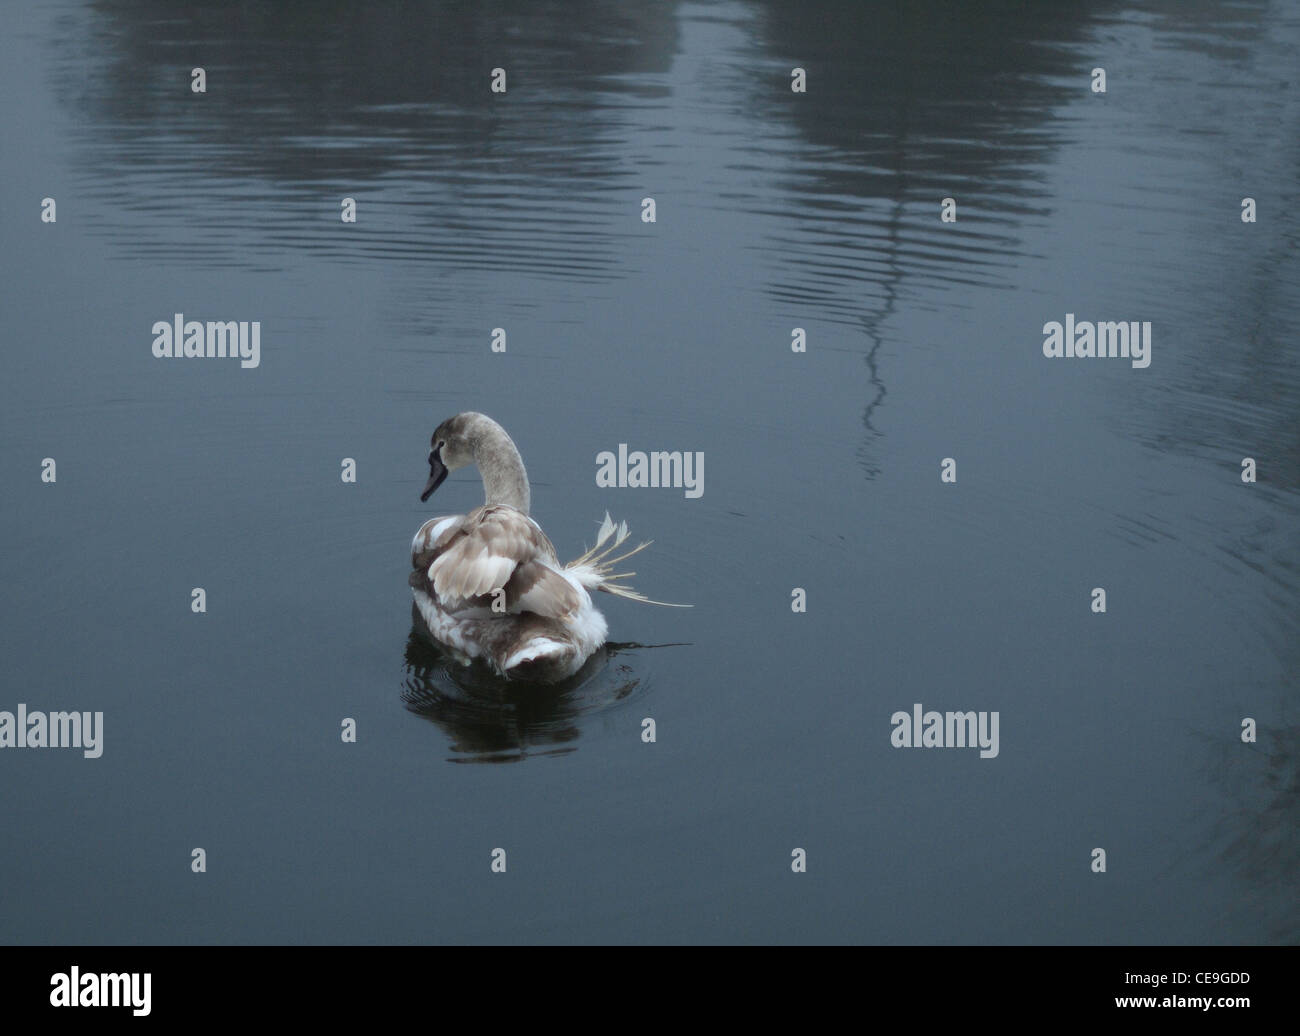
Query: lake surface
x=775 y=210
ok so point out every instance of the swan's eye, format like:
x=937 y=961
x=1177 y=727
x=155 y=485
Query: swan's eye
x=441 y=443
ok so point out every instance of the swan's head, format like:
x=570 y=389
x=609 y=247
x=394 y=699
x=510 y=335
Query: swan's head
x=452 y=447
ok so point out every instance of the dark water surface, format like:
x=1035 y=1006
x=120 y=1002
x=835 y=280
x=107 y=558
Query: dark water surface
x=775 y=210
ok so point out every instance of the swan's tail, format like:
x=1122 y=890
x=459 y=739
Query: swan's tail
x=595 y=569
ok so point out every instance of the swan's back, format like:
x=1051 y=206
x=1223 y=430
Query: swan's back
x=489 y=585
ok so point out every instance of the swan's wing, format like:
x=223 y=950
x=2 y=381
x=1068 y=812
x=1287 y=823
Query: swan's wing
x=538 y=588
x=498 y=548
x=433 y=537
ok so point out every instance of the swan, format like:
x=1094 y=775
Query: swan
x=489 y=584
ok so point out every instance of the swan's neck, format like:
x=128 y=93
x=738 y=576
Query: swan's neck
x=504 y=479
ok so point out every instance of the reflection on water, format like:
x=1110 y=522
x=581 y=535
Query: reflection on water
x=776 y=210
x=1258 y=838
x=491 y=720
x=387 y=104
x=893 y=125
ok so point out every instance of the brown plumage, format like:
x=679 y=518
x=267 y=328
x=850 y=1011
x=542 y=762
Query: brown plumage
x=494 y=547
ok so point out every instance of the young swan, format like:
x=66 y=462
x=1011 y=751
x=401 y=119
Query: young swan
x=489 y=585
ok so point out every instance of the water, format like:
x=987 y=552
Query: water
x=775 y=210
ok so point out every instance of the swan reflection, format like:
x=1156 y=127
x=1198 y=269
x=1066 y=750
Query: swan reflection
x=491 y=720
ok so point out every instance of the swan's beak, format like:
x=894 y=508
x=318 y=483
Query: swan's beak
x=437 y=472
